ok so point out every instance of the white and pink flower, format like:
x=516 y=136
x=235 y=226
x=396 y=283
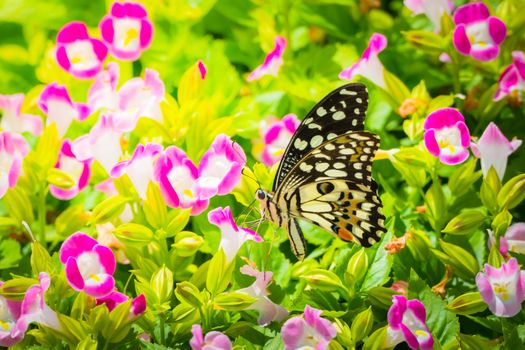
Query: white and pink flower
x=89 y=265
x=447 y=135
x=477 y=33
x=127 y=30
x=14 y=120
x=13 y=149
x=60 y=109
x=272 y=63
x=138 y=304
x=407 y=322
x=369 y=66
x=232 y=236
x=78 y=171
x=276 y=137
x=502 y=289
x=78 y=53
x=309 y=331
x=433 y=9
x=103 y=92
x=140 y=168
x=211 y=341
x=268 y=310
x=513 y=77
x=494 y=149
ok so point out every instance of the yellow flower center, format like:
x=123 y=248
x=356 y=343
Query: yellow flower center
x=278 y=152
x=76 y=59
x=421 y=332
x=94 y=277
x=4 y=325
x=131 y=34
x=501 y=290
x=188 y=193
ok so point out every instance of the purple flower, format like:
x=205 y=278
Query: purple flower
x=276 y=137
x=447 y=135
x=212 y=341
x=232 y=236
x=369 y=66
x=309 y=331
x=138 y=304
x=477 y=33
x=79 y=171
x=407 y=322
x=494 y=149
x=15 y=121
x=178 y=180
x=502 y=289
x=513 y=77
x=89 y=265
x=268 y=310
x=13 y=149
x=126 y=30
x=272 y=63
x=78 y=53
x=55 y=102
x=433 y=9
x=140 y=168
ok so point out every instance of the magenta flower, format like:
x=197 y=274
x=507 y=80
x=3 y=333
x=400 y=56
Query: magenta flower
x=15 y=121
x=10 y=334
x=13 y=149
x=502 y=289
x=232 y=236
x=140 y=168
x=138 y=304
x=127 y=30
x=513 y=77
x=89 y=265
x=276 y=138
x=101 y=144
x=447 y=135
x=202 y=69
x=309 y=331
x=512 y=241
x=221 y=166
x=477 y=33
x=433 y=9
x=79 y=171
x=369 y=66
x=407 y=322
x=103 y=92
x=268 y=310
x=56 y=103
x=78 y=53
x=494 y=149
x=212 y=341
x=178 y=180
x=272 y=63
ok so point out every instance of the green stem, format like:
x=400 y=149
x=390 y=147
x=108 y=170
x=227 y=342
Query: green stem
x=42 y=216
x=162 y=332
x=106 y=344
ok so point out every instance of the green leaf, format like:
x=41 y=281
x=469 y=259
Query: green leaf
x=188 y=293
x=233 y=301
x=60 y=178
x=87 y=344
x=379 y=271
x=187 y=243
x=362 y=325
x=155 y=207
x=376 y=341
x=466 y=222
x=162 y=284
x=324 y=280
x=462 y=261
x=467 y=304
x=219 y=273
x=71 y=220
x=134 y=234
x=463 y=178
x=18 y=205
x=108 y=209
x=437 y=206
x=396 y=88
x=501 y=223
x=489 y=190
x=40 y=259
x=425 y=40
x=512 y=193
x=178 y=222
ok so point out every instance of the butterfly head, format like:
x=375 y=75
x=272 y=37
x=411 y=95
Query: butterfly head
x=264 y=199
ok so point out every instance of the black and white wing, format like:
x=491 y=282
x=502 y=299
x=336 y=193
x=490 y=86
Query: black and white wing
x=340 y=112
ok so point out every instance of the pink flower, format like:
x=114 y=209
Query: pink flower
x=138 y=304
x=232 y=236
x=494 y=149
x=309 y=331
x=477 y=33
x=127 y=30
x=512 y=241
x=369 y=66
x=447 y=135
x=202 y=69
x=433 y=9
x=221 y=166
x=55 y=102
x=502 y=289
x=140 y=168
x=268 y=310
x=77 y=53
x=106 y=236
x=276 y=137
x=178 y=180
x=103 y=91
x=79 y=172
x=272 y=63
x=13 y=149
x=10 y=334
x=101 y=144
x=212 y=341
x=513 y=77
x=89 y=265
x=15 y=121
x=407 y=322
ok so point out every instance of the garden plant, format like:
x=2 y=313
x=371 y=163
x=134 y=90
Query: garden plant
x=139 y=141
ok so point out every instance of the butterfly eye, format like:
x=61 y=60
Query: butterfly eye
x=261 y=195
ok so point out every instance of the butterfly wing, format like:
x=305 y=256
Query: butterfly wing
x=340 y=112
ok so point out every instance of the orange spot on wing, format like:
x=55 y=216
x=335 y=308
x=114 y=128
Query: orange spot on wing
x=344 y=234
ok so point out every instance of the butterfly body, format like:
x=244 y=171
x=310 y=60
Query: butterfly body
x=325 y=175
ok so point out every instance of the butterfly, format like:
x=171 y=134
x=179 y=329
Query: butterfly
x=325 y=174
